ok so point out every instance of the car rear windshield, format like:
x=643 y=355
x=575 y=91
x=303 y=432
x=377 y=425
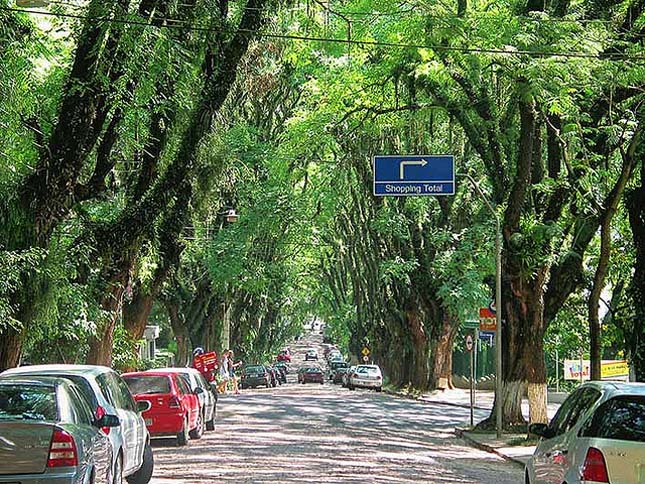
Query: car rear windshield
x=621 y=418
x=254 y=369
x=313 y=370
x=28 y=402
x=141 y=385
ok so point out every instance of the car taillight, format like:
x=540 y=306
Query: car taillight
x=594 y=468
x=62 y=450
x=379 y=377
x=355 y=375
x=174 y=402
x=100 y=413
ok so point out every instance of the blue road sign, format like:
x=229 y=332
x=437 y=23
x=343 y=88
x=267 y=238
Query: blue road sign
x=399 y=176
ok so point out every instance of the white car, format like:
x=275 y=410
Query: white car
x=207 y=395
x=311 y=355
x=109 y=395
x=366 y=376
x=597 y=435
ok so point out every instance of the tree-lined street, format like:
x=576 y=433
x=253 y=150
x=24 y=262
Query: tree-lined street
x=327 y=434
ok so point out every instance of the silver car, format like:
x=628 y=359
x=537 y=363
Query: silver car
x=597 y=435
x=206 y=392
x=366 y=376
x=103 y=387
x=48 y=433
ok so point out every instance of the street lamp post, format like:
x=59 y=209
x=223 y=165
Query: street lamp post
x=229 y=216
x=498 y=304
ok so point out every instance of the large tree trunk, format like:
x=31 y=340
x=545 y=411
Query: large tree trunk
x=442 y=354
x=420 y=350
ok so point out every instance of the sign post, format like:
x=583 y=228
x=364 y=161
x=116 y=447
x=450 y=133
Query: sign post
x=400 y=176
x=469 y=347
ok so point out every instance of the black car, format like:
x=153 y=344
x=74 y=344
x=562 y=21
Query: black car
x=337 y=375
x=334 y=366
x=254 y=376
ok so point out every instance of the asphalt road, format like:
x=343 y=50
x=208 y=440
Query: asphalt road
x=326 y=434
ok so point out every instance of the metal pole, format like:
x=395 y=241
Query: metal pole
x=472 y=389
x=557 y=372
x=498 y=305
x=498 y=331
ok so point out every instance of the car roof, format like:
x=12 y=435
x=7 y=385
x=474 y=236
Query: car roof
x=193 y=371
x=61 y=369
x=45 y=381
x=372 y=367
x=618 y=387
x=149 y=373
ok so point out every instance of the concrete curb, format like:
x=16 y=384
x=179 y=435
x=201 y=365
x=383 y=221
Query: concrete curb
x=438 y=402
x=462 y=433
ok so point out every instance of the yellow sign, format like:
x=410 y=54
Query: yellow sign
x=365 y=351
x=611 y=369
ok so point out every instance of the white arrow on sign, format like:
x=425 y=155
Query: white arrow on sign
x=403 y=164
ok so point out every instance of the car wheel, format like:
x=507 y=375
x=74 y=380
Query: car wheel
x=118 y=470
x=379 y=389
x=210 y=425
x=182 y=436
x=527 y=480
x=144 y=474
x=198 y=431
x=351 y=387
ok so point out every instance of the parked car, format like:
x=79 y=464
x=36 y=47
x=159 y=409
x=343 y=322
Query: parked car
x=253 y=376
x=311 y=354
x=335 y=365
x=282 y=366
x=337 y=374
x=334 y=355
x=345 y=376
x=311 y=375
x=366 y=376
x=207 y=397
x=284 y=355
x=174 y=408
x=48 y=433
x=109 y=395
x=597 y=435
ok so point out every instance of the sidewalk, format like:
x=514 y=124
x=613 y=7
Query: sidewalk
x=513 y=447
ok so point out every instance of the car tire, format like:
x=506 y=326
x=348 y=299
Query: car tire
x=182 y=436
x=351 y=387
x=144 y=474
x=527 y=479
x=198 y=431
x=117 y=477
x=210 y=425
x=379 y=389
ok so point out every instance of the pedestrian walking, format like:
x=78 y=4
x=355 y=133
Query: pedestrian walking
x=224 y=373
x=232 y=366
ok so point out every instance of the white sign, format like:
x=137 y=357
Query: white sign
x=366 y=358
x=469 y=343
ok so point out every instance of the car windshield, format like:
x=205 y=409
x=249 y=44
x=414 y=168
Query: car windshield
x=621 y=418
x=28 y=402
x=141 y=385
x=313 y=370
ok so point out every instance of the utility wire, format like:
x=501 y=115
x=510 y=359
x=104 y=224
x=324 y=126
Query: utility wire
x=614 y=56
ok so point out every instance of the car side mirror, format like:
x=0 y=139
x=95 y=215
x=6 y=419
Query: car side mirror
x=143 y=406
x=198 y=390
x=541 y=430
x=107 y=421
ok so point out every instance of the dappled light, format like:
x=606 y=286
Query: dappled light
x=328 y=434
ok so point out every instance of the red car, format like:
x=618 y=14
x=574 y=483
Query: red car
x=174 y=410
x=284 y=355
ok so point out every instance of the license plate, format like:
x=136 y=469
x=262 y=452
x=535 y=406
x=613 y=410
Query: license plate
x=148 y=421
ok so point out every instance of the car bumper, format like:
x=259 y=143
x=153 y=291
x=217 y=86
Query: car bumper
x=71 y=475
x=166 y=424
x=254 y=382
x=367 y=383
x=313 y=380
